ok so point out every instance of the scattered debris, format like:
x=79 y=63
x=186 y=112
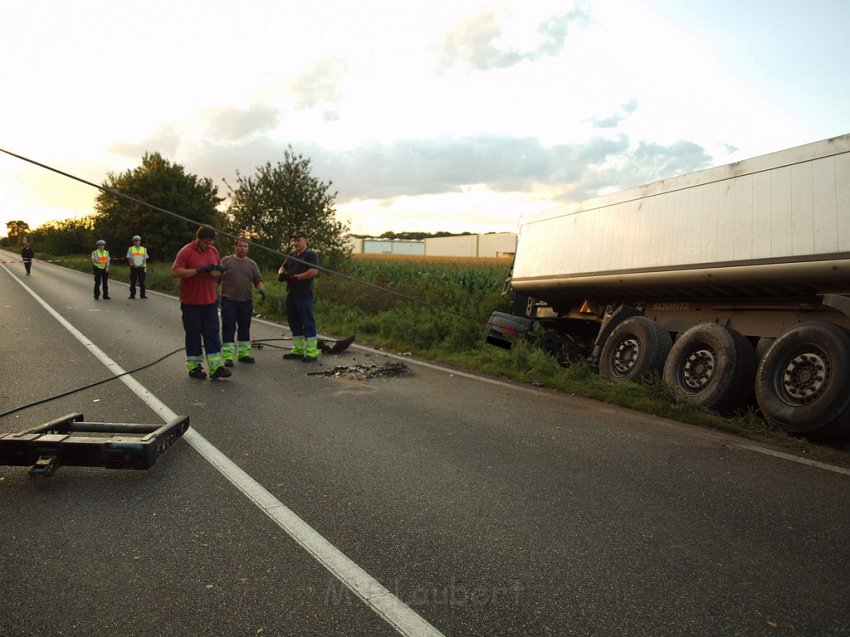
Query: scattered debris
x=366 y=372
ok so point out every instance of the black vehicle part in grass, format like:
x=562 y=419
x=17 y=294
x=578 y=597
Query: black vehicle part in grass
x=803 y=381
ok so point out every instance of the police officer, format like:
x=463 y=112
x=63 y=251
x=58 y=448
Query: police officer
x=137 y=256
x=100 y=263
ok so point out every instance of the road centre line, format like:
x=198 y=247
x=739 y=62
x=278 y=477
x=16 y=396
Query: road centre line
x=389 y=607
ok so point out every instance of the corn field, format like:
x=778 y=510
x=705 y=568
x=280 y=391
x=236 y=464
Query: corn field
x=418 y=304
x=413 y=303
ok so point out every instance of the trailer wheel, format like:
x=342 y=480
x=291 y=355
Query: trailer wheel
x=635 y=349
x=711 y=366
x=802 y=381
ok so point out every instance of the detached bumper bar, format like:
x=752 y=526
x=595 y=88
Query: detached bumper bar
x=70 y=441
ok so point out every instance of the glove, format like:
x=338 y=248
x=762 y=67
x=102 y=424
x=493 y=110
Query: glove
x=219 y=267
x=209 y=267
x=262 y=293
x=282 y=276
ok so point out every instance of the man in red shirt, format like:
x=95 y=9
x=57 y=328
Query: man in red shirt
x=199 y=268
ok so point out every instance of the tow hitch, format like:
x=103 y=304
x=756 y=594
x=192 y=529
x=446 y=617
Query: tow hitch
x=335 y=347
x=70 y=441
x=325 y=346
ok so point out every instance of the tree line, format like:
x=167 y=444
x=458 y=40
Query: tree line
x=266 y=207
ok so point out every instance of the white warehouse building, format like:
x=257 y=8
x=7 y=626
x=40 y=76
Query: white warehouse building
x=493 y=245
x=499 y=244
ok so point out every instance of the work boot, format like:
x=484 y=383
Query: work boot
x=309 y=359
x=228 y=363
x=246 y=359
x=290 y=356
x=220 y=372
x=197 y=372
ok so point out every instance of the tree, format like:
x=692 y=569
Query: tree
x=278 y=200
x=162 y=184
x=17 y=231
x=71 y=236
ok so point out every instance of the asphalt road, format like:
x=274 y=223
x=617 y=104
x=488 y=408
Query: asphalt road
x=433 y=503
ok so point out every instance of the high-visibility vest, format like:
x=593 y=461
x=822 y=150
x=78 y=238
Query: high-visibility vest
x=100 y=258
x=138 y=251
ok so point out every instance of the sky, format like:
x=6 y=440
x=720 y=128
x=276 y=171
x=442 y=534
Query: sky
x=423 y=115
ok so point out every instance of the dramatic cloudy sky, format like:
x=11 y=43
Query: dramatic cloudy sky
x=457 y=115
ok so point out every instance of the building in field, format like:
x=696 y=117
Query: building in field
x=387 y=246
x=493 y=245
x=497 y=244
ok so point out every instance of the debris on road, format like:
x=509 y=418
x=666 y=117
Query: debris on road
x=366 y=372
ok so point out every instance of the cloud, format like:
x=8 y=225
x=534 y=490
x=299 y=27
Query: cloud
x=319 y=84
x=555 y=29
x=630 y=106
x=643 y=164
x=165 y=140
x=228 y=124
x=432 y=166
x=471 y=44
x=607 y=122
x=421 y=167
x=614 y=120
x=474 y=44
x=505 y=164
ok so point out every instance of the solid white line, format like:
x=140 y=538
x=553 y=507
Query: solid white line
x=373 y=593
x=788 y=456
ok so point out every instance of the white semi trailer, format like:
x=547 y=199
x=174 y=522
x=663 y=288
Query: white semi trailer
x=731 y=283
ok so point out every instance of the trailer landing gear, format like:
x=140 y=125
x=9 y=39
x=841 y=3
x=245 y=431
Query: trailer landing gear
x=70 y=441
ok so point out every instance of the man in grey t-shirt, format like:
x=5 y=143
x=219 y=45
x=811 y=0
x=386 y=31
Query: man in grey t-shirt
x=241 y=276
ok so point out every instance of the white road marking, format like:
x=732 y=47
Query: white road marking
x=373 y=593
x=793 y=458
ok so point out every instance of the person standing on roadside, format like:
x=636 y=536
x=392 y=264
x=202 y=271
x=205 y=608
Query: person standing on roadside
x=100 y=263
x=27 y=255
x=299 y=270
x=137 y=257
x=241 y=275
x=199 y=268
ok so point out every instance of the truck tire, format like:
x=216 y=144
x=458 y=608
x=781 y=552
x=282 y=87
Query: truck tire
x=711 y=366
x=636 y=349
x=802 y=382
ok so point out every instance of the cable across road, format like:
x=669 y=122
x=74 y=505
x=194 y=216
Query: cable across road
x=223 y=232
x=260 y=246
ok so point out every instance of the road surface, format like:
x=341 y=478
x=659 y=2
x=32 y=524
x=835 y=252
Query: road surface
x=427 y=504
